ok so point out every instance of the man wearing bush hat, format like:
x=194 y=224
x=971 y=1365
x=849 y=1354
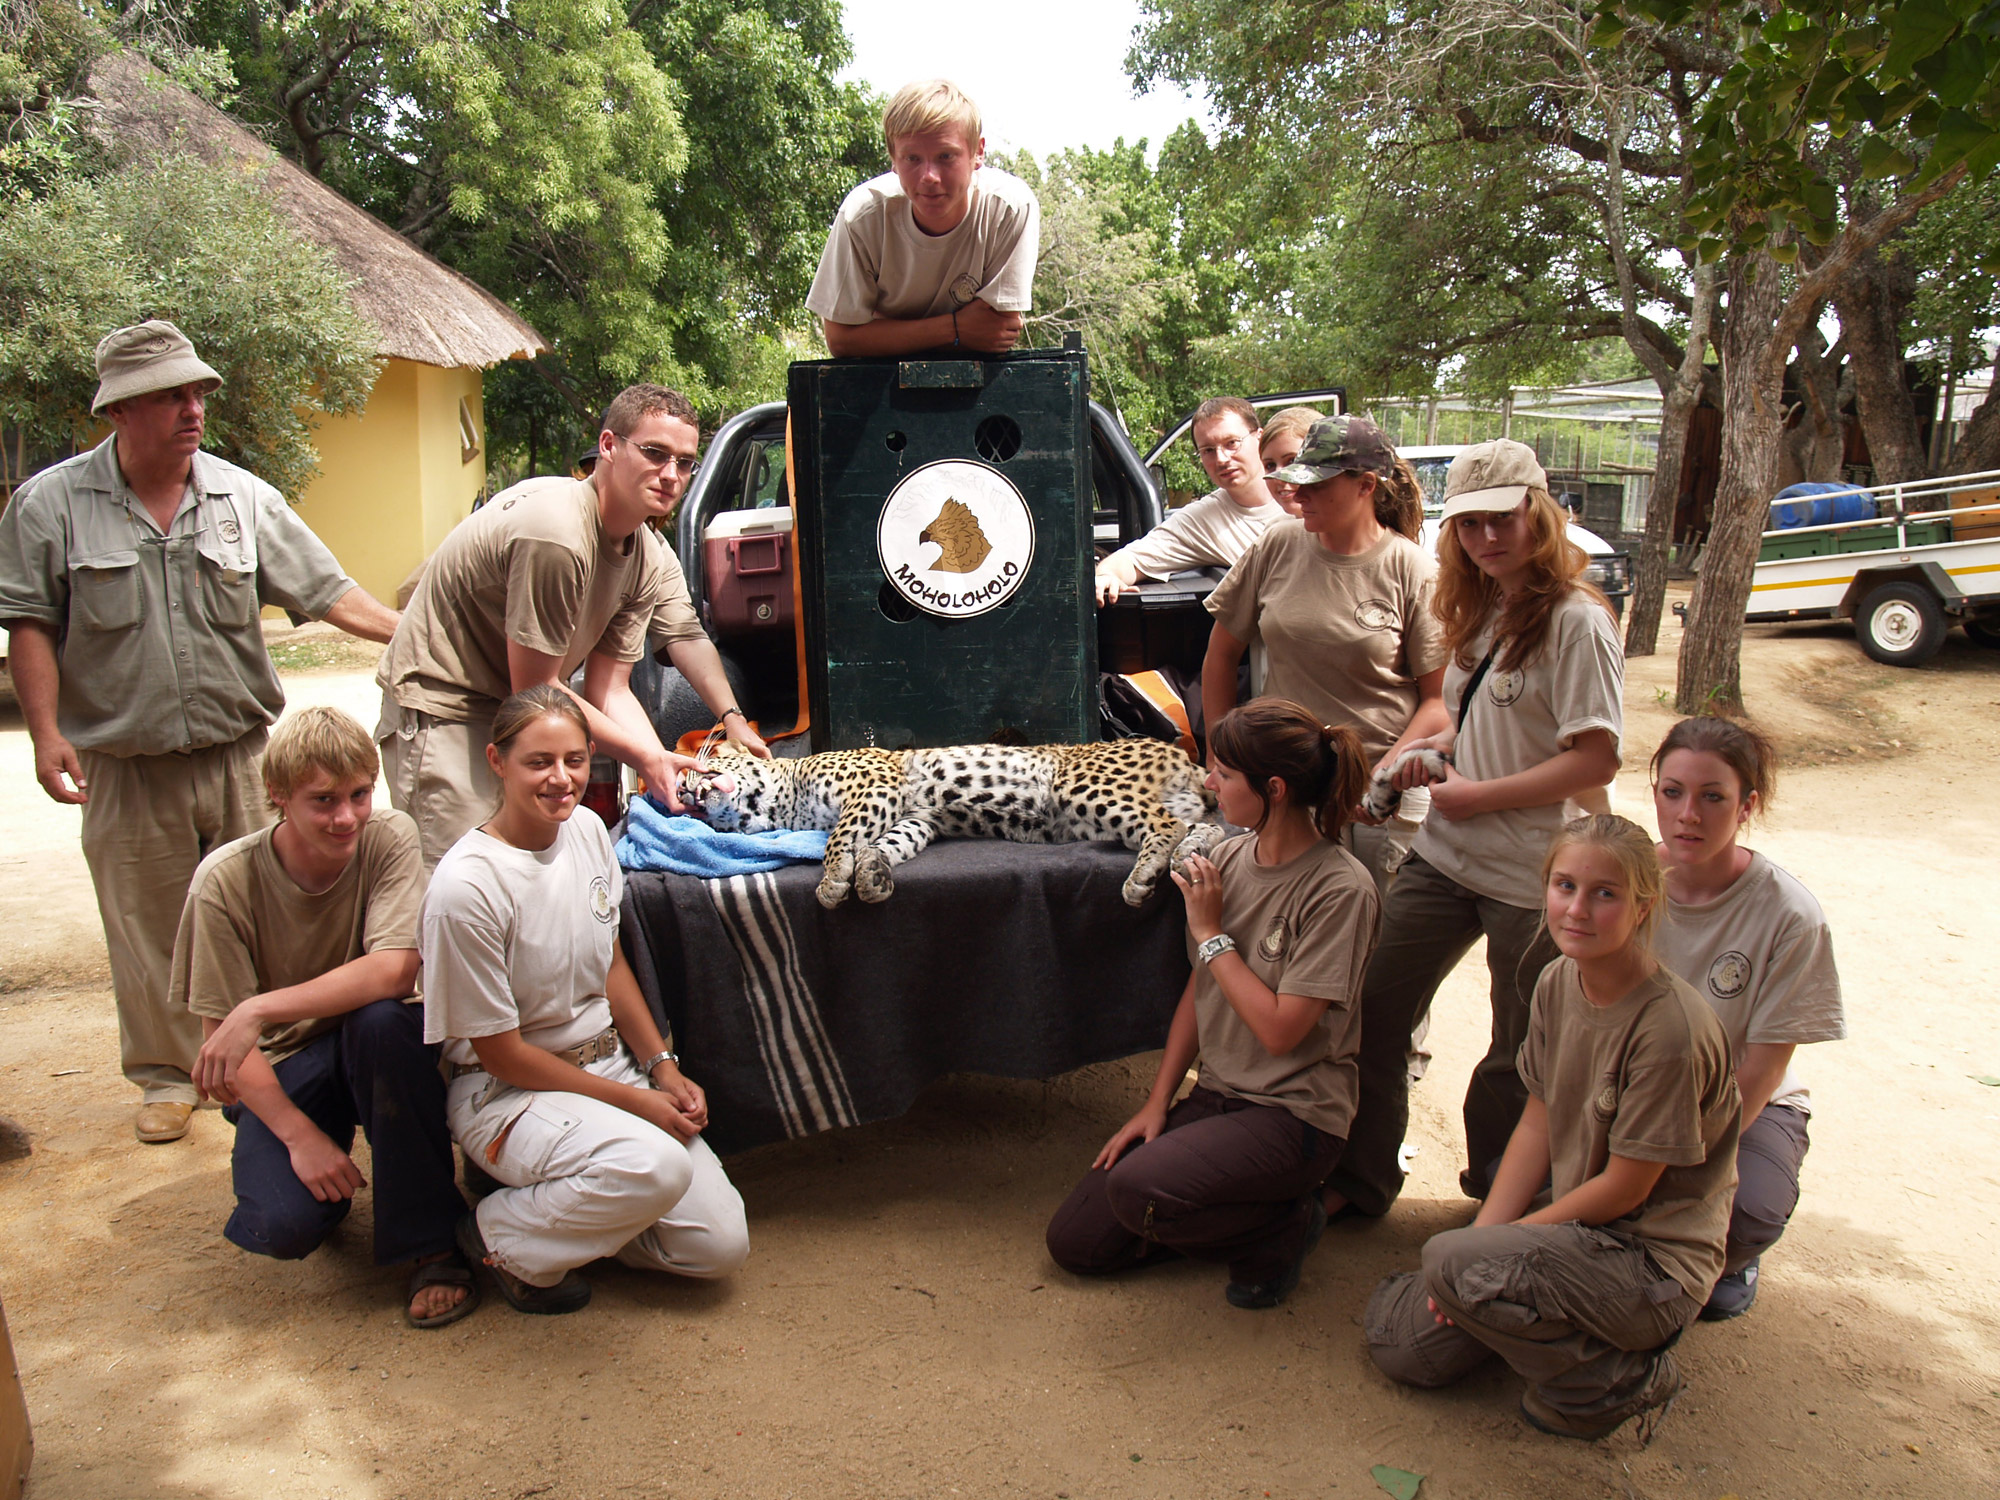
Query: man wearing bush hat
x=132 y=581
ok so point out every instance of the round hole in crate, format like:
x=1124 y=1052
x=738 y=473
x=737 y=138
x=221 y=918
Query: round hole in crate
x=894 y=606
x=998 y=438
x=895 y=442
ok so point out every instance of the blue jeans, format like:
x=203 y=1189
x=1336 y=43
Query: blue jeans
x=375 y=1072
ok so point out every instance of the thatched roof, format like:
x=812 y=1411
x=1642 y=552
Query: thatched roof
x=425 y=311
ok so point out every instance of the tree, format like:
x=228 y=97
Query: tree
x=649 y=186
x=1912 y=91
x=97 y=253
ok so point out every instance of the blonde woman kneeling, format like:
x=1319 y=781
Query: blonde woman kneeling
x=562 y=1088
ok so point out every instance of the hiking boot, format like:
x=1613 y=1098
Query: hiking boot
x=1733 y=1296
x=1662 y=1388
x=1252 y=1295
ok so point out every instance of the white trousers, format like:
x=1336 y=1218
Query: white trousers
x=586 y=1180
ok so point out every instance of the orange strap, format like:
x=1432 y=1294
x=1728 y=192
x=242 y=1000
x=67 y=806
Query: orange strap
x=1153 y=687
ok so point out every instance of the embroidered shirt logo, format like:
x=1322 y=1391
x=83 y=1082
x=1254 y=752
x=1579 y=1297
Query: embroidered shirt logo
x=955 y=538
x=1272 y=944
x=964 y=288
x=600 y=900
x=1375 y=614
x=1504 y=686
x=1607 y=1100
x=228 y=530
x=1729 y=974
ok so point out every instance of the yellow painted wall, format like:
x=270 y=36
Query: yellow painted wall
x=392 y=480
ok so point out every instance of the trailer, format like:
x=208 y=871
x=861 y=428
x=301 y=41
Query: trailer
x=1918 y=559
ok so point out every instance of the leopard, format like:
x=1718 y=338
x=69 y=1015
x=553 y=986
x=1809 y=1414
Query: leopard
x=882 y=807
x=1382 y=796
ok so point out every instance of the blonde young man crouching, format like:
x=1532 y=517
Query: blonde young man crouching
x=937 y=253
x=297 y=950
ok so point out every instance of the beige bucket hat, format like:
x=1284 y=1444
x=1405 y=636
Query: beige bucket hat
x=1492 y=476
x=149 y=356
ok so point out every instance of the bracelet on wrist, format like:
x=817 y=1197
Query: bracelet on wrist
x=954 y=328
x=1213 y=948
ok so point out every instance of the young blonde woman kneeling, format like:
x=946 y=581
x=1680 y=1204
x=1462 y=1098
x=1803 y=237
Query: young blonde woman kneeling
x=1627 y=1143
x=561 y=1086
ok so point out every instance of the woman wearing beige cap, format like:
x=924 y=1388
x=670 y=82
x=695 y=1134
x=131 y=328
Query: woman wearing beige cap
x=1533 y=691
x=1339 y=600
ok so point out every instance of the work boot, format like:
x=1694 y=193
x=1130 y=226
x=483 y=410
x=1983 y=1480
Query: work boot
x=162 y=1120
x=1253 y=1295
x=1663 y=1386
x=1732 y=1297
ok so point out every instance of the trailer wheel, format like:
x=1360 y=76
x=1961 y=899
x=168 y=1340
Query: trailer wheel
x=1900 y=624
x=1984 y=632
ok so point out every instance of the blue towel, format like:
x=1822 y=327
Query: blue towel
x=654 y=840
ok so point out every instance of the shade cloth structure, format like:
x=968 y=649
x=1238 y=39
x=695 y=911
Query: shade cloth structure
x=1017 y=960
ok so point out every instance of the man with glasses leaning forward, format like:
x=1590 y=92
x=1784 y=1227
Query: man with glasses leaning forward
x=1215 y=530
x=547 y=576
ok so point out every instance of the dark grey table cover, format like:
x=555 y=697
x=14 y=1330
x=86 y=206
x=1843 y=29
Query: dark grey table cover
x=1018 y=960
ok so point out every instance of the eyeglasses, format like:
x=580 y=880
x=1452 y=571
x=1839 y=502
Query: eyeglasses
x=660 y=458
x=1216 y=450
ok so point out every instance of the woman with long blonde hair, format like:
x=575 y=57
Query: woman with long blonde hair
x=1533 y=691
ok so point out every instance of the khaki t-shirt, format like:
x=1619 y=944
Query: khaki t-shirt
x=1212 y=532
x=248 y=927
x=1647 y=1078
x=533 y=566
x=1347 y=637
x=1306 y=927
x=878 y=264
x=1761 y=956
x=521 y=938
x=1517 y=720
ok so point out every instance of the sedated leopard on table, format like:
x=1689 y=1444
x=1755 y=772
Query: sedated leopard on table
x=882 y=807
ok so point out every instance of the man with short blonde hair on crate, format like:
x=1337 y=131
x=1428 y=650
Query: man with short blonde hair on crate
x=133 y=579
x=297 y=951
x=938 y=252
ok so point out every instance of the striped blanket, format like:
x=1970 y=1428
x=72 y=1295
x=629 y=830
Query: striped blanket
x=1013 y=959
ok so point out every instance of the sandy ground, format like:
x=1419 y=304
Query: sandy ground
x=900 y=1331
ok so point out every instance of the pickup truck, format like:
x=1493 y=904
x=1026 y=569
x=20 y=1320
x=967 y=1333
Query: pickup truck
x=734 y=541
x=1904 y=562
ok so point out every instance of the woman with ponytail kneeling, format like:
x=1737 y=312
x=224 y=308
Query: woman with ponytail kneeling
x=1280 y=928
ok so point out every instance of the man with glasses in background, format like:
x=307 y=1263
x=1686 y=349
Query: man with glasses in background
x=549 y=575
x=1215 y=530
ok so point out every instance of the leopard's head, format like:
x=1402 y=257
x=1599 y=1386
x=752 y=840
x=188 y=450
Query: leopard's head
x=733 y=791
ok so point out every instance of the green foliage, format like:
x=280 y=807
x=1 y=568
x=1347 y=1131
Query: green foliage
x=1952 y=248
x=46 y=47
x=649 y=186
x=268 y=311
x=1908 y=90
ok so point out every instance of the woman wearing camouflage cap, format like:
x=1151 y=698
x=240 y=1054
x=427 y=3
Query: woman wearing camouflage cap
x=1339 y=599
x=1534 y=691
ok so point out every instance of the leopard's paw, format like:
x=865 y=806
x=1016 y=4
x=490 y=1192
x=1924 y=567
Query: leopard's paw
x=872 y=880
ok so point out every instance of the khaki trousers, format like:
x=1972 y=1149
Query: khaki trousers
x=1580 y=1313
x=437 y=773
x=149 y=821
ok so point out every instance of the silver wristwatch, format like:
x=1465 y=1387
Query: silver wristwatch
x=655 y=1060
x=1215 y=947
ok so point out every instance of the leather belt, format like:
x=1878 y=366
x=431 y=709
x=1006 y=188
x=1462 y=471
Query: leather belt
x=583 y=1054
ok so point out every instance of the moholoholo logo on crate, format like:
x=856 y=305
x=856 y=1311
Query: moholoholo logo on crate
x=955 y=538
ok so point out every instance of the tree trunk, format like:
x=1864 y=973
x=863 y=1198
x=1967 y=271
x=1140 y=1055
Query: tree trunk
x=1649 y=579
x=1979 y=445
x=1709 y=677
x=1871 y=300
x=1814 y=444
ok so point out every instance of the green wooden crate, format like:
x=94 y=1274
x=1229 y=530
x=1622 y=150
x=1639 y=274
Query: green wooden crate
x=944 y=532
x=1880 y=537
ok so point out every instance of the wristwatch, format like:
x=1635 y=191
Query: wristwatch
x=733 y=709
x=655 y=1060
x=1215 y=947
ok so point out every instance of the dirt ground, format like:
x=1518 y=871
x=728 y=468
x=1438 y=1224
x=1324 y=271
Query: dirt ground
x=900 y=1330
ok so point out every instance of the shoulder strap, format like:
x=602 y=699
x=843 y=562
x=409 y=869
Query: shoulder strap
x=1472 y=686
